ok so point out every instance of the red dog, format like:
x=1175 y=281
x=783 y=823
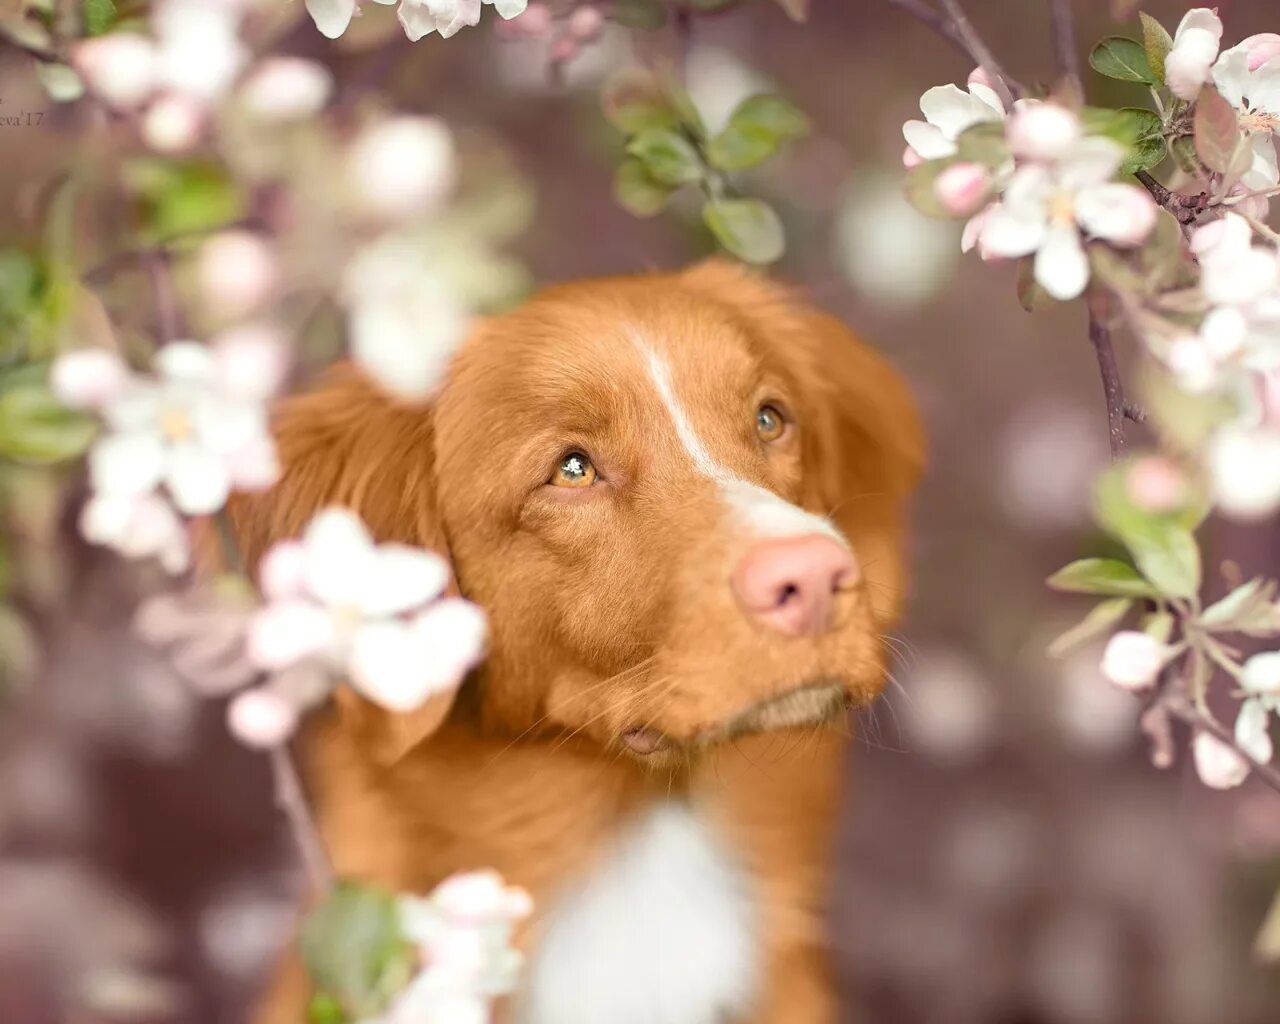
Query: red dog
x=679 y=498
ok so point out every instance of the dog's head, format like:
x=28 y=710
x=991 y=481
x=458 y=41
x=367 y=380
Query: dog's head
x=679 y=499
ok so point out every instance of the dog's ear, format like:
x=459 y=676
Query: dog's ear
x=863 y=442
x=347 y=442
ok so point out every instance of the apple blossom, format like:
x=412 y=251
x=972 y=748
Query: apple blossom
x=1234 y=271
x=404 y=320
x=87 y=378
x=119 y=67
x=332 y=17
x=962 y=188
x=1046 y=207
x=137 y=526
x=949 y=111
x=1248 y=76
x=1218 y=765
x=261 y=718
x=1193 y=364
x=184 y=429
x=199 y=51
x=1253 y=732
x=402 y=165
x=1195 y=47
x=1043 y=131
x=586 y=23
x=252 y=359
x=1244 y=471
x=286 y=89
x=370 y=612
x=173 y=123
x=236 y=271
x=1133 y=660
x=1260 y=678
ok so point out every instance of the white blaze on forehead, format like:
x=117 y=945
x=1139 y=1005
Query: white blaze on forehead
x=766 y=514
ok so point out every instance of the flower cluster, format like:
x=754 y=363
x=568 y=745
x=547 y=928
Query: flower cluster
x=418 y=18
x=176 y=442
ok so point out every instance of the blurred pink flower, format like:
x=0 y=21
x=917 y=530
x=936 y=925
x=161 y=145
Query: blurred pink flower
x=402 y=166
x=1244 y=471
x=88 y=378
x=1217 y=764
x=962 y=188
x=286 y=89
x=137 y=526
x=119 y=67
x=1253 y=731
x=173 y=123
x=260 y=718
x=1157 y=484
x=237 y=272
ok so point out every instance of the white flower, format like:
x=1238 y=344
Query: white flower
x=87 y=378
x=120 y=67
x=1234 y=271
x=1193 y=364
x=1218 y=765
x=183 y=429
x=173 y=123
x=1244 y=471
x=332 y=16
x=422 y=17
x=463 y=933
x=403 y=319
x=369 y=611
x=1043 y=131
x=402 y=166
x=1046 y=207
x=261 y=718
x=1261 y=678
x=949 y=111
x=1253 y=731
x=199 y=51
x=1133 y=660
x=1248 y=76
x=237 y=272
x=1195 y=47
x=287 y=89
x=137 y=526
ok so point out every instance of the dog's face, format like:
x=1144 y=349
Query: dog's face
x=678 y=499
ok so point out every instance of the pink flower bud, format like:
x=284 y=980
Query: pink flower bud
x=962 y=188
x=910 y=158
x=1218 y=765
x=252 y=360
x=563 y=50
x=586 y=23
x=979 y=76
x=1132 y=660
x=403 y=165
x=89 y=378
x=1042 y=131
x=262 y=719
x=1156 y=484
x=534 y=22
x=119 y=67
x=173 y=123
x=236 y=272
x=282 y=573
x=287 y=89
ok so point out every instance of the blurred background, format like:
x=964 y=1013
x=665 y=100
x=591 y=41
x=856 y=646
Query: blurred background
x=1008 y=855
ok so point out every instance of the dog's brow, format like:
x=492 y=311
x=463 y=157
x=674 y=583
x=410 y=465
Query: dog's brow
x=660 y=374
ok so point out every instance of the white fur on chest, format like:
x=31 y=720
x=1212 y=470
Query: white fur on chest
x=661 y=932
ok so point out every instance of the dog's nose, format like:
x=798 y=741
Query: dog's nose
x=789 y=583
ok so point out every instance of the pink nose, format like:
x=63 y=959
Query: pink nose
x=789 y=583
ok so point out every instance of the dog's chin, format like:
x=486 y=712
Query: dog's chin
x=812 y=705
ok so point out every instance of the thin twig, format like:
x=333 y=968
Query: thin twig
x=1185 y=712
x=1112 y=388
x=293 y=803
x=945 y=26
x=1064 y=41
x=981 y=52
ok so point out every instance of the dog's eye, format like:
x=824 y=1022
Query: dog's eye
x=769 y=423
x=575 y=470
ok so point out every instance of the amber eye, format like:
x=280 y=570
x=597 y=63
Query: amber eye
x=575 y=470
x=769 y=423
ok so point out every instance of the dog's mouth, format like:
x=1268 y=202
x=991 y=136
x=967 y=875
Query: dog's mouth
x=813 y=704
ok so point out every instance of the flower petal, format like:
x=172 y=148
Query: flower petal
x=331 y=16
x=127 y=463
x=88 y=378
x=1253 y=734
x=1091 y=161
x=1217 y=764
x=400 y=579
x=1231 y=75
x=927 y=140
x=389 y=665
x=453 y=632
x=1004 y=234
x=952 y=110
x=197 y=480
x=339 y=554
x=285 y=632
x=186 y=362
x=1062 y=268
x=1123 y=214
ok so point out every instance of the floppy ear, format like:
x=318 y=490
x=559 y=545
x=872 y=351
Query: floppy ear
x=349 y=443
x=863 y=442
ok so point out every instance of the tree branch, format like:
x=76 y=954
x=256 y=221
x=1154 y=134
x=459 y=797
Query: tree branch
x=1112 y=388
x=947 y=27
x=1185 y=209
x=1064 y=41
x=293 y=803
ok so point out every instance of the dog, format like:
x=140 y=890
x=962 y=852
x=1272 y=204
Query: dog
x=679 y=497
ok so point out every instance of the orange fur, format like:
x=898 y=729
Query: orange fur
x=609 y=610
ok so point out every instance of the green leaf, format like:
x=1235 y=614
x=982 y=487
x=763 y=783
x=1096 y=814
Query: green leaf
x=99 y=16
x=184 y=197
x=1140 y=131
x=748 y=228
x=1162 y=545
x=782 y=118
x=324 y=1009
x=1156 y=43
x=636 y=192
x=643 y=14
x=1102 y=619
x=354 y=950
x=667 y=157
x=1101 y=576
x=984 y=143
x=1122 y=59
x=741 y=146
x=36 y=427
x=1217 y=132
x=918 y=186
